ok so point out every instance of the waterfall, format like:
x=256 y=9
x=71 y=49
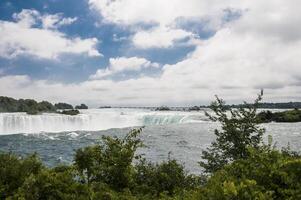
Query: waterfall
x=91 y=120
x=163 y=119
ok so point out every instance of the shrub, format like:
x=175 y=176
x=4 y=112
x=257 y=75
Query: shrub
x=239 y=131
x=53 y=184
x=111 y=161
x=265 y=174
x=168 y=176
x=14 y=170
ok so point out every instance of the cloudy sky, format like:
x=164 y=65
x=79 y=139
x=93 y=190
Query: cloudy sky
x=150 y=52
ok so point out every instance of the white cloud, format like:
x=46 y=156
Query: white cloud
x=56 y=21
x=164 y=14
x=130 y=64
x=270 y=18
x=101 y=73
x=261 y=49
x=116 y=38
x=26 y=18
x=144 y=91
x=159 y=37
x=23 y=37
x=123 y=64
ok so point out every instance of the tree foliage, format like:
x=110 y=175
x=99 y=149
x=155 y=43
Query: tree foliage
x=14 y=171
x=62 y=106
x=69 y=112
x=167 y=177
x=284 y=116
x=109 y=162
x=103 y=171
x=33 y=107
x=81 y=106
x=265 y=174
x=239 y=130
x=29 y=106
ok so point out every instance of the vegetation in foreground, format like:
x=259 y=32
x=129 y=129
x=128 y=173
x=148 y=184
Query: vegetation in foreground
x=236 y=166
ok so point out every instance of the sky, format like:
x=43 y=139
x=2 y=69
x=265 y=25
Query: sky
x=150 y=52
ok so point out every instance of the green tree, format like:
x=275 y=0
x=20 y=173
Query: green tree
x=53 y=184
x=265 y=174
x=62 y=106
x=46 y=106
x=168 y=176
x=8 y=104
x=14 y=170
x=81 y=106
x=239 y=130
x=110 y=162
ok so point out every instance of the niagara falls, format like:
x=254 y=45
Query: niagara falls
x=184 y=133
x=150 y=100
x=93 y=120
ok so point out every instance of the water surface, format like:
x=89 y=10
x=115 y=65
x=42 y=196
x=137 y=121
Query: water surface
x=184 y=134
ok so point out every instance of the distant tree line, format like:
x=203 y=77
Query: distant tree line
x=63 y=106
x=163 y=108
x=30 y=106
x=288 y=105
x=284 y=116
x=265 y=105
x=81 y=106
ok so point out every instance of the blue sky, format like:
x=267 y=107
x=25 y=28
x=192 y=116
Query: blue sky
x=76 y=68
x=151 y=52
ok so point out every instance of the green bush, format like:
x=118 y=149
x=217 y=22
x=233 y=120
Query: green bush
x=107 y=171
x=168 y=176
x=265 y=174
x=239 y=130
x=14 y=171
x=52 y=184
x=111 y=161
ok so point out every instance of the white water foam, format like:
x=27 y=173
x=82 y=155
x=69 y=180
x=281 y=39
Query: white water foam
x=93 y=120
